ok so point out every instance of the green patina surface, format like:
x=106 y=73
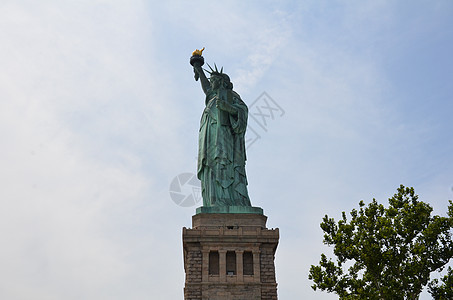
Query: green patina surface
x=221 y=152
x=230 y=210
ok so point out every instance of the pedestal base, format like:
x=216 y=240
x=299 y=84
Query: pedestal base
x=230 y=256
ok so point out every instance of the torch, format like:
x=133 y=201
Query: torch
x=196 y=60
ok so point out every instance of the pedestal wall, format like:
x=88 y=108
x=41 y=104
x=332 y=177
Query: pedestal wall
x=229 y=256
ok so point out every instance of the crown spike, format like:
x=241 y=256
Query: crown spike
x=221 y=70
x=210 y=68
x=217 y=70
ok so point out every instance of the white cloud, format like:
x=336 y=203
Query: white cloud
x=64 y=207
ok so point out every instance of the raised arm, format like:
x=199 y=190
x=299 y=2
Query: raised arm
x=205 y=85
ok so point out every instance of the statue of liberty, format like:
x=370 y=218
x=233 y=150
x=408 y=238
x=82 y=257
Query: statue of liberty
x=221 y=152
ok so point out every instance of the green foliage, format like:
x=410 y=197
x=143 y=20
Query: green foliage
x=442 y=291
x=389 y=252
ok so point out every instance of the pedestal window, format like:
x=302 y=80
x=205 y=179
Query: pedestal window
x=231 y=263
x=248 y=263
x=214 y=263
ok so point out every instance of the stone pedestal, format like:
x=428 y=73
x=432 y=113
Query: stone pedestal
x=229 y=256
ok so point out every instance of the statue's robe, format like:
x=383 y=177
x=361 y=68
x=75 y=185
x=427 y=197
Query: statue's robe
x=221 y=152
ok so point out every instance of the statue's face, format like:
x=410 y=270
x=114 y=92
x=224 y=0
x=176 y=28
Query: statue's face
x=216 y=81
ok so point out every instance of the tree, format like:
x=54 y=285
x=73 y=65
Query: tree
x=443 y=291
x=390 y=252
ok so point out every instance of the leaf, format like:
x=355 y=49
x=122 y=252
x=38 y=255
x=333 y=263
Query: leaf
x=390 y=251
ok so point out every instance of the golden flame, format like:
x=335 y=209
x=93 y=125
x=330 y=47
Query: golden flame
x=198 y=52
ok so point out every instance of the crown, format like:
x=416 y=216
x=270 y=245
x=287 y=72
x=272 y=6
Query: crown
x=215 y=72
x=225 y=77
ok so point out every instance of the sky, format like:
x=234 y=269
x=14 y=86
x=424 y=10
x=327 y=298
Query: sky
x=99 y=114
